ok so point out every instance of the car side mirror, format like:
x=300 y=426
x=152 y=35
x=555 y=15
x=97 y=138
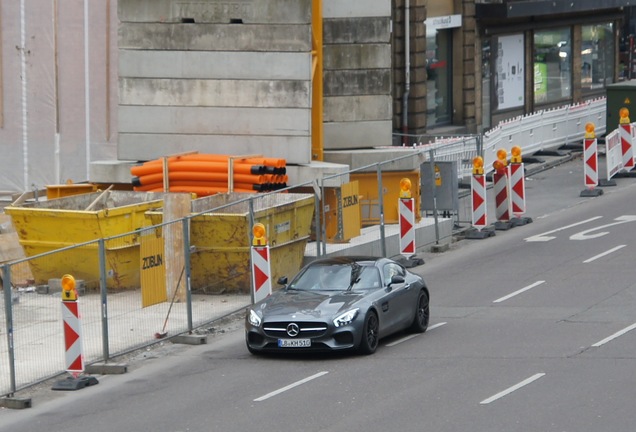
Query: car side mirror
x=396 y=279
x=282 y=280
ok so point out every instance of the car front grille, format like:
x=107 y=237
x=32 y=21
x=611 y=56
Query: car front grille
x=307 y=329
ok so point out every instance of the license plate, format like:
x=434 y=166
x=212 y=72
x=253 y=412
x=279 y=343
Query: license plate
x=294 y=343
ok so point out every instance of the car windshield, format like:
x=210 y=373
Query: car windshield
x=337 y=277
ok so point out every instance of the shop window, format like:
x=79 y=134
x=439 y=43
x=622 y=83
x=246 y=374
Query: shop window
x=552 y=65
x=597 y=56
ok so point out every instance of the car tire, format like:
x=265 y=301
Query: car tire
x=422 y=314
x=370 y=334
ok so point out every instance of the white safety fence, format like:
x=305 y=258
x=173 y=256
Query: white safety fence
x=540 y=131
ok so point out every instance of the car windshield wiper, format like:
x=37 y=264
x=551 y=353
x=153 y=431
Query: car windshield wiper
x=356 y=269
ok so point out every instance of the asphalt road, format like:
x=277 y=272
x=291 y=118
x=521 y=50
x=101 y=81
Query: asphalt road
x=531 y=330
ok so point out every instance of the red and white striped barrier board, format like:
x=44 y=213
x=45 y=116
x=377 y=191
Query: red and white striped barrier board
x=590 y=160
x=614 y=153
x=478 y=200
x=517 y=188
x=72 y=338
x=407 y=226
x=261 y=273
x=502 y=196
x=627 y=141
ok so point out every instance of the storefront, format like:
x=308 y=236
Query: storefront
x=528 y=64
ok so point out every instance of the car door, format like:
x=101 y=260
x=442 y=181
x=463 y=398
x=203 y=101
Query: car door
x=396 y=305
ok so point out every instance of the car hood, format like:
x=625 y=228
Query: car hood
x=307 y=305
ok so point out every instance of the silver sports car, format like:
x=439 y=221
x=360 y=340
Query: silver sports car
x=339 y=303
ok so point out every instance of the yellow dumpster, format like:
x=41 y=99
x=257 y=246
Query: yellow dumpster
x=220 y=239
x=46 y=226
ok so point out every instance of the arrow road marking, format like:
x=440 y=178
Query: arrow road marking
x=544 y=237
x=583 y=235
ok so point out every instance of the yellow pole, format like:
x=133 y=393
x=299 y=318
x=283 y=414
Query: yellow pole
x=317 y=139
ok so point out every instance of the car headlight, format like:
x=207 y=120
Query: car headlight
x=345 y=318
x=253 y=318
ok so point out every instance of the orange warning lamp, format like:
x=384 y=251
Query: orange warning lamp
x=502 y=161
x=68 y=288
x=405 y=188
x=589 y=130
x=259 y=235
x=478 y=165
x=515 y=154
x=624 y=114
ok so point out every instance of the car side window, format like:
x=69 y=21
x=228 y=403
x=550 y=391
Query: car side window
x=392 y=269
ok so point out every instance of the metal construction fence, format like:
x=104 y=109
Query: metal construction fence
x=124 y=304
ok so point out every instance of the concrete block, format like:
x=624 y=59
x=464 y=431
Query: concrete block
x=141 y=147
x=367 y=8
x=106 y=369
x=306 y=173
x=15 y=403
x=356 y=135
x=190 y=339
x=110 y=171
x=357 y=108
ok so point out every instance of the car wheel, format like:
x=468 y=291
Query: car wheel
x=420 y=321
x=370 y=334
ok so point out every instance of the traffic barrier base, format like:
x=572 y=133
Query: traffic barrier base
x=72 y=383
x=591 y=192
x=478 y=234
x=520 y=220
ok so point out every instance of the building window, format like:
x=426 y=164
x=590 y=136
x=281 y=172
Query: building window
x=552 y=65
x=597 y=56
x=438 y=70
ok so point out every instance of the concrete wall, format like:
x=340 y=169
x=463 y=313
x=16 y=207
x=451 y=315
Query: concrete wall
x=215 y=76
x=357 y=74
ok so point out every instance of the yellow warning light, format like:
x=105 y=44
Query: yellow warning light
x=624 y=114
x=589 y=130
x=68 y=288
x=515 y=152
x=478 y=165
x=405 y=188
x=259 y=235
x=498 y=165
x=502 y=155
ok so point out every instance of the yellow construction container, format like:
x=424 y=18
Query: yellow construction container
x=69 y=189
x=47 y=226
x=369 y=201
x=220 y=239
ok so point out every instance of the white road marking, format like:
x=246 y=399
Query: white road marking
x=537 y=283
x=615 y=335
x=583 y=235
x=544 y=237
x=404 y=339
x=589 y=260
x=291 y=386
x=511 y=389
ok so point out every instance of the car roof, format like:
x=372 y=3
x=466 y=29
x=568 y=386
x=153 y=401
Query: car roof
x=360 y=259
